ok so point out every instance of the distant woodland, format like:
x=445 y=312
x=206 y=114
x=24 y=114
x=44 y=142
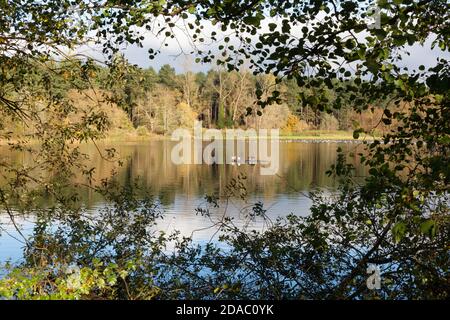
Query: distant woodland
x=148 y=102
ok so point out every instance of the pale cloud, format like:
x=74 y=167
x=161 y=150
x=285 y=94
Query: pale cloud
x=178 y=52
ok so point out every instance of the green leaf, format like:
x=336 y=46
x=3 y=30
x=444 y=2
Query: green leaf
x=191 y=9
x=253 y=21
x=429 y=227
x=398 y=231
x=272 y=27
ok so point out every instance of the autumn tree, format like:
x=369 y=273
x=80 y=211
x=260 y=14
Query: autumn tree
x=398 y=219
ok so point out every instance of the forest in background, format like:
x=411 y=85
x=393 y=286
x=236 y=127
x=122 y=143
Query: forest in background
x=144 y=102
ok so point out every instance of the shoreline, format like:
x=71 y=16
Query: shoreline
x=307 y=137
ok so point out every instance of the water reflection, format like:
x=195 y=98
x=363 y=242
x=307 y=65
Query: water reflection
x=302 y=167
x=180 y=189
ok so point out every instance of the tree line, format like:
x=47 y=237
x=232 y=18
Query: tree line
x=159 y=101
x=163 y=100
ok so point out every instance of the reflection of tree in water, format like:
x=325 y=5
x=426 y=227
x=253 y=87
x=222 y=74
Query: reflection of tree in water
x=302 y=166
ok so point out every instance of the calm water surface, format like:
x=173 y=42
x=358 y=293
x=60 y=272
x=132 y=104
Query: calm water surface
x=180 y=189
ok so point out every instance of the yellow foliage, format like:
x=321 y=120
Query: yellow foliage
x=185 y=115
x=294 y=124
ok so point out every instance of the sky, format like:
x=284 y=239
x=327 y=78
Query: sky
x=177 y=53
x=418 y=55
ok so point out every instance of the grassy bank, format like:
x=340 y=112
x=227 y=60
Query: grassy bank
x=312 y=135
x=324 y=135
x=309 y=135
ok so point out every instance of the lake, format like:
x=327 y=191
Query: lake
x=180 y=189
